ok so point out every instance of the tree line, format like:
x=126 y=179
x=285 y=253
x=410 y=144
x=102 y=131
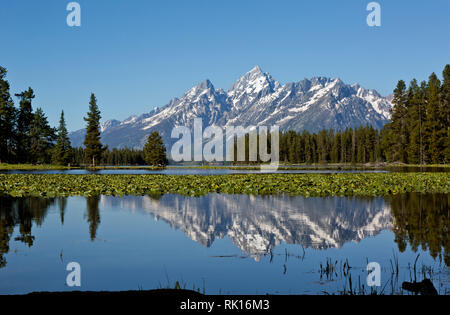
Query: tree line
x=27 y=137
x=419 y=131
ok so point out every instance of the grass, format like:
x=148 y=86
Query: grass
x=32 y=167
x=343 y=184
x=45 y=167
x=354 y=281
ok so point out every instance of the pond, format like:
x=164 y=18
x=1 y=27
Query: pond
x=224 y=244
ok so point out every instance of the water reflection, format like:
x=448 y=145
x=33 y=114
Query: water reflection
x=23 y=212
x=256 y=224
x=93 y=215
x=422 y=221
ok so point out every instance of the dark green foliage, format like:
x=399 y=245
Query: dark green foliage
x=419 y=131
x=42 y=138
x=155 y=151
x=23 y=125
x=361 y=145
x=398 y=127
x=7 y=119
x=62 y=153
x=115 y=156
x=92 y=143
x=123 y=156
x=445 y=114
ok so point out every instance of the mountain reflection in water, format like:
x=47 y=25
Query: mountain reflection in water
x=257 y=224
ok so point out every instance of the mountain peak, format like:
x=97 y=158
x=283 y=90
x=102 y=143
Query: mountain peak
x=255 y=69
x=204 y=85
x=250 y=85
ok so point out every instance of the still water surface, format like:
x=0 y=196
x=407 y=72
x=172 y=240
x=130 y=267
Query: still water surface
x=222 y=243
x=182 y=171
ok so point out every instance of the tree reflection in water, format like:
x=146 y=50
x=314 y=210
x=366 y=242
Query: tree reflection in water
x=422 y=220
x=93 y=215
x=24 y=212
x=20 y=212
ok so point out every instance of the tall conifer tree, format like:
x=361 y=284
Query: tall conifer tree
x=92 y=143
x=42 y=138
x=24 y=122
x=432 y=124
x=63 y=149
x=7 y=119
x=446 y=111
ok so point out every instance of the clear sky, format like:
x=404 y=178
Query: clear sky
x=138 y=54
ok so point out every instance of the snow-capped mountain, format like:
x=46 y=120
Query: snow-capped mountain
x=254 y=99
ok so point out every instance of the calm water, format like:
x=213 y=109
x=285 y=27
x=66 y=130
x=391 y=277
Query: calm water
x=183 y=171
x=303 y=169
x=221 y=243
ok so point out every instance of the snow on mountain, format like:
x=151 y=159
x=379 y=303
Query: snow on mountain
x=255 y=99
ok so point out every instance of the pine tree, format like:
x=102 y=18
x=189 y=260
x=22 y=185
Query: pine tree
x=62 y=153
x=432 y=126
x=414 y=123
x=24 y=121
x=446 y=111
x=155 y=151
x=94 y=147
x=7 y=119
x=398 y=134
x=42 y=138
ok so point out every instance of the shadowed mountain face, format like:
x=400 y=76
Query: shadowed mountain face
x=257 y=224
x=255 y=99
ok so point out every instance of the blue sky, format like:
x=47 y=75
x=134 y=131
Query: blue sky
x=135 y=55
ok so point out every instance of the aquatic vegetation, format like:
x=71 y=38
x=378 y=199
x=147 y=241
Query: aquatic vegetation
x=344 y=184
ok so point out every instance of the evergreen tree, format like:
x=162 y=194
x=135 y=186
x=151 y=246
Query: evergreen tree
x=24 y=121
x=446 y=112
x=155 y=151
x=7 y=119
x=415 y=122
x=398 y=135
x=62 y=153
x=42 y=138
x=432 y=126
x=93 y=146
